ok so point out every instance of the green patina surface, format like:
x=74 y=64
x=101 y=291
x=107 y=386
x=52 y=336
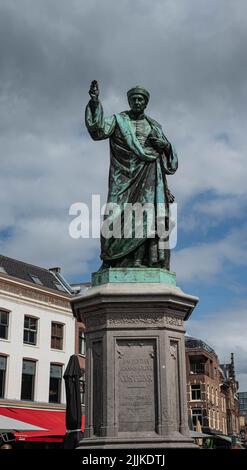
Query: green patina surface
x=141 y=275
x=141 y=157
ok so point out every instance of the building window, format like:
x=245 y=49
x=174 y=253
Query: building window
x=36 y=279
x=216 y=397
x=197 y=366
x=213 y=420
x=212 y=395
x=196 y=392
x=28 y=380
x=3 y=366
x=55 y=383
x=4 y=324
x=196 y=415
x=82 y=386
x=209 y=418
x=217 y=420
x=82 y=343
x=56 y=335
x=30 y=330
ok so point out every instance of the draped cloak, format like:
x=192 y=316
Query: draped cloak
x=137 y=173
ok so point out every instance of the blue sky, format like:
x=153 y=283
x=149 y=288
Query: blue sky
x=191 y=56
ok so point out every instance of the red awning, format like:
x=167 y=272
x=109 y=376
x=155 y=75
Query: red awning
x=53 y=421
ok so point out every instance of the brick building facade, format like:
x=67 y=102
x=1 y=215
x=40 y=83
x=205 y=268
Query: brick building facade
x=211 y=390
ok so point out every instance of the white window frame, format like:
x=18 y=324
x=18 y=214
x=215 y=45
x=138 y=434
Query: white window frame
x=199 y=389
x=7 y=312
x=30 y=330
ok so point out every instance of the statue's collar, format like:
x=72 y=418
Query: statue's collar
x=126 y=115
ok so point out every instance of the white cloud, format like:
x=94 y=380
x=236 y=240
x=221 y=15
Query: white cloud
x=222 y=208
x=192 y=58
x=47 y=243
x=207 y=260
x=191 y=55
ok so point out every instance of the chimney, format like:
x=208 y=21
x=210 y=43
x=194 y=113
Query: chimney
x=232 y=366
x=55 y=270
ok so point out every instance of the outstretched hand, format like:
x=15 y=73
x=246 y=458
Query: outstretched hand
x=94 y=90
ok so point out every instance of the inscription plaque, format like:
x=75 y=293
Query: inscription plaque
x=136 y=378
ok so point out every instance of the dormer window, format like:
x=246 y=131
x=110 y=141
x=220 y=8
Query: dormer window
x=36 y=279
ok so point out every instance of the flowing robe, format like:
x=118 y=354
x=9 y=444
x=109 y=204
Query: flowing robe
x=137 y=172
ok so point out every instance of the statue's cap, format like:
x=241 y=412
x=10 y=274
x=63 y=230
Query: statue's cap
x=138 y=90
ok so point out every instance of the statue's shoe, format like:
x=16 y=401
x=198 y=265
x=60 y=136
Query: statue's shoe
x=138 y=264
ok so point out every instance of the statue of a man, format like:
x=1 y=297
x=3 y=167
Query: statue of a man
x=141 y=157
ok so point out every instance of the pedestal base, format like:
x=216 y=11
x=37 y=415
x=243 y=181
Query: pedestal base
x=174 y=442
x=134 y=275
x=135 y=365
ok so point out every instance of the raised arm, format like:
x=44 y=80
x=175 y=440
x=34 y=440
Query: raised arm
x=98 y=127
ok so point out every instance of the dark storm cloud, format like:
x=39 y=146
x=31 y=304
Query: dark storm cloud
x=189 y=54
x=184 y=51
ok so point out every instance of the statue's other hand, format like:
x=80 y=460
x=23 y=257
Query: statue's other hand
x=94 y=90
x=159 y=144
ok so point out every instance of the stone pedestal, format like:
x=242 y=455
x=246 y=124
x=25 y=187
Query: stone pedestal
x=135 y=364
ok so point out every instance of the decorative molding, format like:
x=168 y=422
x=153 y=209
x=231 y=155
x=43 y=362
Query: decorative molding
x=120 y=354
x=173 y=321
x=134 y=318
x=165 y=416
x=24 y=292
x=173 y=351
x=122 y=319
x=93 y=322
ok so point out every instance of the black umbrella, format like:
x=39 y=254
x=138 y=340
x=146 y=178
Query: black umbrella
x=72 y=376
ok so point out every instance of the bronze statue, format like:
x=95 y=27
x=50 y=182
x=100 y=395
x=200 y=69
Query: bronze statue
x=141 y=157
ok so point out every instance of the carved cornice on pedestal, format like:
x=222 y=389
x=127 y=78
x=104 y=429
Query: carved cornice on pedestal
x=135 y=320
